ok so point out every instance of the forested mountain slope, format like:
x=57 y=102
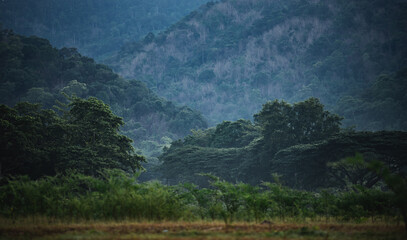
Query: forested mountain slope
x=229 y=57
x=32 y=70
x=96 y=27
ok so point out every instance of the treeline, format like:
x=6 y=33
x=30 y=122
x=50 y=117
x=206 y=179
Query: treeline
x=97 y=28
x=83 y=168
x=116 y=196
x=86 y=138
x=32 y=70
x=296 y=141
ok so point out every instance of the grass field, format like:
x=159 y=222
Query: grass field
x=26 y=229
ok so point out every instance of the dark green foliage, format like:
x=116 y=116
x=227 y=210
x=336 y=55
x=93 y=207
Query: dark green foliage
x=219 y=150
x=38 y=142
x=285 y=125
x=228 y=57
x=244 y=151
x=395 y=180
x=115 y=196
x=225 y=135
x=301 y=142
x=352 y=171
x=234 y=134
x=299 y=165
x=32 y=70
x=382 y=106
x=183 y=163
x=94 y=139
x=97 y=28
x=29 y=137
x=397 y=183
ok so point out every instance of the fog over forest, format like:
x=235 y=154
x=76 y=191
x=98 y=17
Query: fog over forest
x=229 y=110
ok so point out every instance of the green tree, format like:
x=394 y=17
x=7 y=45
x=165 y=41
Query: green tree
x=230 y=196
x=397 y=184
x=352 y=171
x=75 y=88
x=27 y=139
x=94 y=141
x=38 y=142
x=286 y=125
x=234 y=134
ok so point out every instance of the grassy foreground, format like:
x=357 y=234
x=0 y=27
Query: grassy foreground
x=75 y=206
x=46 y=229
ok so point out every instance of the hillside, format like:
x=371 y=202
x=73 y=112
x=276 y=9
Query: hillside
x=229 y=57
x=97 y=28
x=32 y=70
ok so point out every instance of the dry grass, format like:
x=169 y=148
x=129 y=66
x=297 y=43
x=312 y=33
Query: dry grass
x=46 y=229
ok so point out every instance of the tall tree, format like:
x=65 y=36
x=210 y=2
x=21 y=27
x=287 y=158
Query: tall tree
x=94 y=141
x=38 y=142
x=286 y=125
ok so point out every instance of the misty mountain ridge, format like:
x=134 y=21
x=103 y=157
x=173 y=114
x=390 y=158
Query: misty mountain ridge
x=98 y=28
x=229 y=57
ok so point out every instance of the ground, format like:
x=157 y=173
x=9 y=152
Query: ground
x=199 y=230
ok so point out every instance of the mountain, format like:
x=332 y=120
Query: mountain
x=32 y=70
x=228 y=57
x=96 y=27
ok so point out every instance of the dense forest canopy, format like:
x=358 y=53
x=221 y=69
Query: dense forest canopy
x=301 y=76
x=295 y=141
x=32 y=70
x=37 y=142
x=97 y=28
x=380 y=106
x=229 y=57
x=225 y=59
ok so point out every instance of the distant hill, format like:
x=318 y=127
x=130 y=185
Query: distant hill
x=228 y=57
x=32 y=70
x=96 y=27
